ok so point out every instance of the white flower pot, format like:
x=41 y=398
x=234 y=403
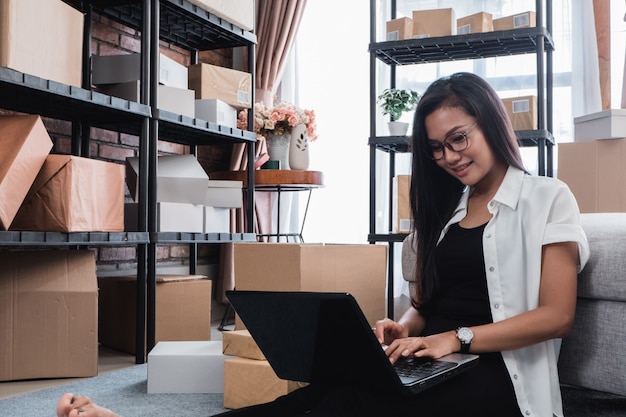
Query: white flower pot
x=398 y=128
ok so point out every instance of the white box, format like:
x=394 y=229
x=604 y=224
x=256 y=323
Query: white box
x=607 y=124
x=180 y=179
x=171 y=217
x=216 y=220
x=116 y=69
x=239 y=12
x=216 y=111
x=173 y=99
x=224 y=193
x=180 y=217
x=186 y=368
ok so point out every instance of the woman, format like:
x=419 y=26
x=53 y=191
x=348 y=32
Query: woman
x=498 y=255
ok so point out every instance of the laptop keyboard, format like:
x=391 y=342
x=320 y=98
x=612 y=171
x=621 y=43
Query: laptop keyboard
x=411 y=367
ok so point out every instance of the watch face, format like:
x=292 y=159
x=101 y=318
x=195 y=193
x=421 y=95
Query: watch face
x=465 y=335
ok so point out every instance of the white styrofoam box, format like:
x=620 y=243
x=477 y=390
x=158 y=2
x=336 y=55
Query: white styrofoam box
x=224 y=193
x=115 y=69
x=216 y=111
x=180 y=179
x=173 y=99
x=171 y=73
x=180 y=217
x=186 y=368
x=216 y=219
x=607 y=124
x=239 y=12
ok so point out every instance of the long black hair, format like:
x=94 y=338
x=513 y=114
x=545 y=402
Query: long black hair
x=434 y=193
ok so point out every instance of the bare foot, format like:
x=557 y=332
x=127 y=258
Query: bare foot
x=81 y=406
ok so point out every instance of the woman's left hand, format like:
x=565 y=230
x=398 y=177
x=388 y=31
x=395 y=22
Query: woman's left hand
x=434 y=346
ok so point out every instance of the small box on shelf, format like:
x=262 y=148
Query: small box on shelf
x=231 y=86
x=516 y=21
x=476 y=23
x=522 y=111
x=434 y=22
x=399 y=29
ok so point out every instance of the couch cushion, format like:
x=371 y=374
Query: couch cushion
x=604 y=276
x=592 y=356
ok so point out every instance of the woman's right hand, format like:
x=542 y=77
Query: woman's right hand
x=387 y=331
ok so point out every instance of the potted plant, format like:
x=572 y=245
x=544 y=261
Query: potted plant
x=395 y=102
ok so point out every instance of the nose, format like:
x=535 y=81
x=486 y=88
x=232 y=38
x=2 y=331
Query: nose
x=450 y=155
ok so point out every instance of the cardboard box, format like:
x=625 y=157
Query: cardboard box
x=433 y=23
x=516 y=21
x=48 y=314
x=402 y=217
x=475 y=23
x=250 y=382
x=595 y=171
x=239 y=12
x=216 y=219
x=172 y=99
x=180 y=179
x=399 y=29
x=358 y=269
x=231 y=86
x=241 y=344
x=186 y=368
x=24 y=145
x=74 y=194
x=522 y=111
x=183 y=310
x=607 y=124
x=43 y=38
x=216 y=111
x=118 y=69
x=171 y=217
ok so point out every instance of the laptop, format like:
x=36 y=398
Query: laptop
x=324 y=337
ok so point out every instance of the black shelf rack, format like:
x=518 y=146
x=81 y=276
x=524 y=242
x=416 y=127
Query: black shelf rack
x=59 y=239
x=532 y=40
x=462 y=47
x=180 y=23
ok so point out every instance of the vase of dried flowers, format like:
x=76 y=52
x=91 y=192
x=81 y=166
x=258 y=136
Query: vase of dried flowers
x=278 y=148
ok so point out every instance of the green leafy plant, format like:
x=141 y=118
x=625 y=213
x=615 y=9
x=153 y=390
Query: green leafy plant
x=395 y=102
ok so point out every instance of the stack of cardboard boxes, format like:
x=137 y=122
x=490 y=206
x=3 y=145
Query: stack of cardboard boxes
x=48 y=298
x=594 y=165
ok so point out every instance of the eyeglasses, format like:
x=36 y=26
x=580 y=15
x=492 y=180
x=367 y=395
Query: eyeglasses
x=457 y=142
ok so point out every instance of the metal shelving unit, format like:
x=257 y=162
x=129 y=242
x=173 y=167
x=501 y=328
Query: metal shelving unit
x=536 y=40
x=180 y=23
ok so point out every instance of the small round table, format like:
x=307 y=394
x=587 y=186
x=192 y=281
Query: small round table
x=278 y=181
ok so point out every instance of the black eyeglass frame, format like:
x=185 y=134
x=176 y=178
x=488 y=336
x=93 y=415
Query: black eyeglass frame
x=445 y=144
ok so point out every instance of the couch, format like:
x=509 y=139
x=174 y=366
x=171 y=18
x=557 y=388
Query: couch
x=592 y=362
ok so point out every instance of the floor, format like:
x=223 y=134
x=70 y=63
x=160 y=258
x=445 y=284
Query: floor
x=108 y=360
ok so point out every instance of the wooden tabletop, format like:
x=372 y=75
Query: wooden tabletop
x=274 y=177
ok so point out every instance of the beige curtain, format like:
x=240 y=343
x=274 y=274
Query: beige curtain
x=277 y=23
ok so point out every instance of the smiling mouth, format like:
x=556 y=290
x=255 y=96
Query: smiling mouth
x=461 y=167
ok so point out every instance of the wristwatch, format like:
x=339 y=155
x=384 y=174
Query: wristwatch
x=465 y=335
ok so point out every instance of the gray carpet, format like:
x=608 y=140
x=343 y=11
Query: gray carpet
x=124 y=392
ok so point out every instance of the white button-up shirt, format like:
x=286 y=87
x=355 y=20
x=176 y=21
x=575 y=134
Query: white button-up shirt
x=528 y=212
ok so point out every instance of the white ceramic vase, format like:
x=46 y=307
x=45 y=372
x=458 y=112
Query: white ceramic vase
x=278 y=148
x=398 y=128
x=299 y=148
